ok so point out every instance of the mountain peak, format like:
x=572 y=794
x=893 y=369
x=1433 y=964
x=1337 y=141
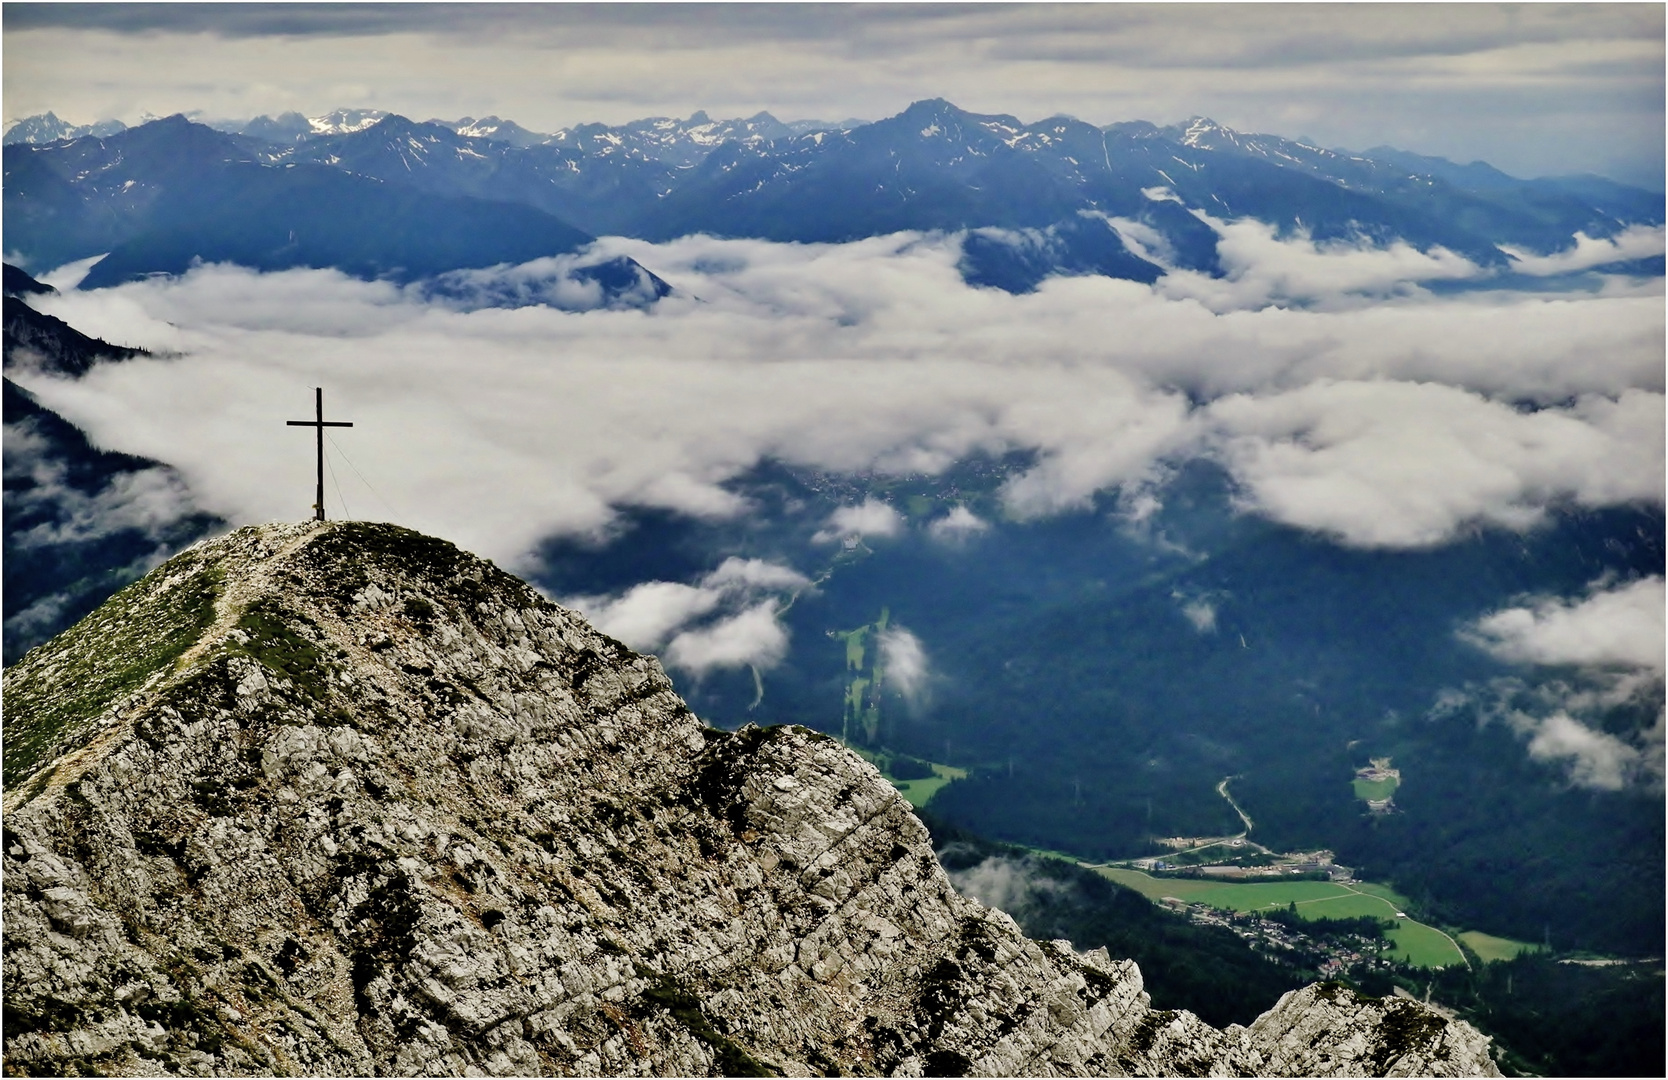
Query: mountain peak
x=391 y=802
x=46 y=127
x=343 y=121
x=1204 y=132
x=930 y=107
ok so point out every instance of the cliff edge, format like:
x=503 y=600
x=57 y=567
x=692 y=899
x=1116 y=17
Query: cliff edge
x=340 y=799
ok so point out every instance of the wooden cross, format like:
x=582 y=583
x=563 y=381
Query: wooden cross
x=319 y=423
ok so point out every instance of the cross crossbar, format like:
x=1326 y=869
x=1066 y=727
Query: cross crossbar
x=319 y=423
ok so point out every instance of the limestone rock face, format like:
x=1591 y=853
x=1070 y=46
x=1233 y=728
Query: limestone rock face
x=339 y=799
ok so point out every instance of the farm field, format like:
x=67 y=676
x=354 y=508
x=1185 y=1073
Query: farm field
x=1414 y=942
x=1489 y=948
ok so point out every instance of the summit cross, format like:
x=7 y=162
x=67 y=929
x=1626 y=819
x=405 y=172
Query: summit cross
x=319 y=423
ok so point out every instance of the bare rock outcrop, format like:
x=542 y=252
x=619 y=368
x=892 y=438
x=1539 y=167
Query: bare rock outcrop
x=342 y=800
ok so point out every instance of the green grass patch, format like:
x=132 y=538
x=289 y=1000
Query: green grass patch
x=1374 y=790
x=57 y=689
x=854 y=647
x=920 y=792
x=1490 y=948
x=1414 y=942
x=281 y=650
x=1382 y=890
x=1423 y=946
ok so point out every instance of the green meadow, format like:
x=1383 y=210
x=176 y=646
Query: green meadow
x=1490 y=948
x=918 y=792
x=1413 y=942
x=1373 y=790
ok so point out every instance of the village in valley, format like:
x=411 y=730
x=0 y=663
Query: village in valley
x=1301 y=907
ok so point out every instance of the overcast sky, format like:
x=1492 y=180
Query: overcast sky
x=1534 y=89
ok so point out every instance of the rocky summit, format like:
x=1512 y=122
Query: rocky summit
x=340 y=799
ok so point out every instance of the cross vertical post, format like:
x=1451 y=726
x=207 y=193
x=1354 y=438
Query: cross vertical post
x=318 y=423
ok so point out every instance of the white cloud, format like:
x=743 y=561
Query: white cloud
x=752 y=638
x=869 y=518
x=735 y=573
x=905 y=661
x=1634 y=242
x=69 y=275
x=1394 y=424
x=958 y=525
x=1595 y=759
x=1614 y=640
x=1201 y=613
x=148 y=500
x=667 y=617
x=1618 y=627
x=647 y=614
x=1259 y=268
x=1396 y=464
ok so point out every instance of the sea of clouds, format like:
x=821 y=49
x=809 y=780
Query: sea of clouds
x=1343 y=395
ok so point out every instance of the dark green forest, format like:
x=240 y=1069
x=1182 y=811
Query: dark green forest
x=1093 y=715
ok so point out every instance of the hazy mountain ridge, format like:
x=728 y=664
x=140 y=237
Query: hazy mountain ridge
x=381 y=807
x=1054 y=196
x=161 y=196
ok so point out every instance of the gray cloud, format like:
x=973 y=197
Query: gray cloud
x=1396 y=424
x=1002 y=883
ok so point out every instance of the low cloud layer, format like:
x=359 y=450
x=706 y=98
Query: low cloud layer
x=1607 y=649
x=1635 y=242
x=145 y=500
x=1389 y=417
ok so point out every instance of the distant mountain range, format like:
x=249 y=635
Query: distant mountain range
x=379 y=195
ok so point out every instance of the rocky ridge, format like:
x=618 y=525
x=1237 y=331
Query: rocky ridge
x=339 y=799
